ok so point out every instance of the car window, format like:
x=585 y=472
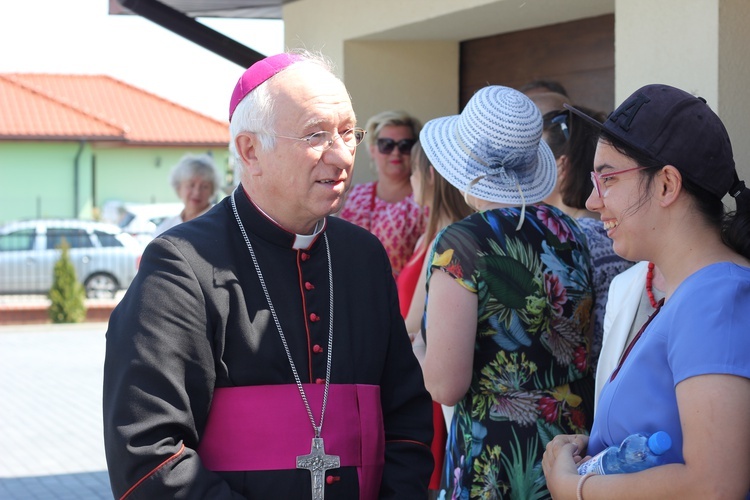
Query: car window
x=158 y=220
x=126 y=219
x=17 y=240
x=107 y=239
x=76 y=238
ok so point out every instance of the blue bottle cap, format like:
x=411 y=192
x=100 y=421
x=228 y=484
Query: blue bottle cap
x=659 y=442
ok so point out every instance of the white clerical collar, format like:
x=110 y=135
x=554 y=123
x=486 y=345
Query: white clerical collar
x=301 y=241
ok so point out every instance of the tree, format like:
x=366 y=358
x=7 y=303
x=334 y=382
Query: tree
x=67 y=294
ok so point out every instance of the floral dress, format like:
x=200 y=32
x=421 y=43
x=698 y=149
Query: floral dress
x=398 y=226
x=534 y=309
x=606 y=265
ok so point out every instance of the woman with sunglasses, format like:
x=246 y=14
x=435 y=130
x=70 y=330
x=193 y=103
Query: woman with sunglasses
x=663 y=165
x=386 y=207
x=573 y=142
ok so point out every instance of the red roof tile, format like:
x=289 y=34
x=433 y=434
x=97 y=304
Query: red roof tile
x=98 y=107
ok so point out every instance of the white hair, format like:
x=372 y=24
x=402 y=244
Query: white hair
x=192 y=165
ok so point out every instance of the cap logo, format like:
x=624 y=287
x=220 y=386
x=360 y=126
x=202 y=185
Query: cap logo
x=628 y=110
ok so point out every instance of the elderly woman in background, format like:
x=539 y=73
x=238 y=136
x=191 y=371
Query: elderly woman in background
x=196 y=180
x=386 y=207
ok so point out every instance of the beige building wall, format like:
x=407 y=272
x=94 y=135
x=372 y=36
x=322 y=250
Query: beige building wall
x=697 y=45
x=734 y=79
x=660 y=42
x=405 y=54
x=421 y=80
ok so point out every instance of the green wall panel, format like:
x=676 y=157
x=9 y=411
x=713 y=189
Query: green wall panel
x=40 y=179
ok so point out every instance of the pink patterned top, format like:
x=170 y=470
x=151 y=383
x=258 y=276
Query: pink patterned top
x=397 y=225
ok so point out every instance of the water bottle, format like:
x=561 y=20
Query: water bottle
x=636 y=453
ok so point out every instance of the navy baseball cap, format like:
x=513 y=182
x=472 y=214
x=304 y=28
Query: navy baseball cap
x=675 y=128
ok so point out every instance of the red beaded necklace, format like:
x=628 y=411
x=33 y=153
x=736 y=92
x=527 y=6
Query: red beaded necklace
x=650 y=285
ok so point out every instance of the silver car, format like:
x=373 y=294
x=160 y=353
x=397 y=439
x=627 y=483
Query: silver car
x=105 y=258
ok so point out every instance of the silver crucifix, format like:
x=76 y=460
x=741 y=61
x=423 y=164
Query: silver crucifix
x=317 y=462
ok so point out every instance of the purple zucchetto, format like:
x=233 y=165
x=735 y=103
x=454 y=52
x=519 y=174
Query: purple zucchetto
x=259 y=73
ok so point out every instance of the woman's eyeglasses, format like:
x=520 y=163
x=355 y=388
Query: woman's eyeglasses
x=599 y=177
x=323 y=140
x=560 y=118
x=386 y=145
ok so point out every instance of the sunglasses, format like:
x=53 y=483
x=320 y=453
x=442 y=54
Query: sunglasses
x=557 y=118
x=386 y=145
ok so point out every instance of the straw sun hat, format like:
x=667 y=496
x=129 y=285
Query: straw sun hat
x=493 y=150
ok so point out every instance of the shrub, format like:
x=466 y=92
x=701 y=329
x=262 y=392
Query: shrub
x=67 y=294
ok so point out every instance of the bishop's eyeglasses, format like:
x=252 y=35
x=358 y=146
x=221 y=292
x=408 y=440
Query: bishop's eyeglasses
x=323 y=140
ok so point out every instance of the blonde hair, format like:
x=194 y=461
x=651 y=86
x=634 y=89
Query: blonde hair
x=390 y=119
x=447 y=201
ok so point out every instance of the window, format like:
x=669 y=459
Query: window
x=17 y=240
x=107 y=239
x=76 y=238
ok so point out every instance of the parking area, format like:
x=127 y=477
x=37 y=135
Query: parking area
x=103 y=257
x=50 y=412
x=32 y=309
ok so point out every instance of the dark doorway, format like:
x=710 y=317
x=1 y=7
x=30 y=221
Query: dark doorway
x=579 y=54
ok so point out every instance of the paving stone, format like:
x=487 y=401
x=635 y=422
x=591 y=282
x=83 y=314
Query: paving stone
x=50 y=412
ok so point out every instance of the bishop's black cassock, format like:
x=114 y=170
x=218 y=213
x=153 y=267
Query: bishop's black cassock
x=195 y=324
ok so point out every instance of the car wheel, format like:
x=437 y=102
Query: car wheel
x=100 y=286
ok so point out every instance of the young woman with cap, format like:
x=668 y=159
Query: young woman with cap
x=663 y=164
x=509 y=300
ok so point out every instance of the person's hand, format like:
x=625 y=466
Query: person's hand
x=560 y=464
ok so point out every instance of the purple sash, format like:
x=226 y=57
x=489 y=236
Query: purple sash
x=266 y=427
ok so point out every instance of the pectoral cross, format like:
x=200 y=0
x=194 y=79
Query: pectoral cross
x=317 y=462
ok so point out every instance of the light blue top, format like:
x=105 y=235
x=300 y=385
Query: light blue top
x=702 y=329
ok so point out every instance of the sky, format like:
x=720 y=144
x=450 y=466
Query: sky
x=80 y=37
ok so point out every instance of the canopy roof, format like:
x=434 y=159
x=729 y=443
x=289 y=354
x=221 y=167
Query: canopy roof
x=179 y=16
